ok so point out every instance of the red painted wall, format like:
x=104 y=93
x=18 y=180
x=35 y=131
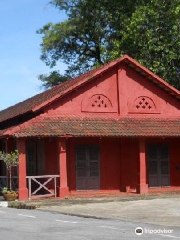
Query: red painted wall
x=133 y=85
x=109 y=162
x=122 y=87
x=119 y=161
x=129 y=164
x=75 y=103
x=51 y=156
x=174 y=162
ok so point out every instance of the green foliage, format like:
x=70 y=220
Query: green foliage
x=152 y=37
x=97 y=32
x=53 y=79
x=7 y=191
x=143 y=196
x=10 y=159
x=81 y=41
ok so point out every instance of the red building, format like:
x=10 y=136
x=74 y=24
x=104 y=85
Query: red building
x=113 y=129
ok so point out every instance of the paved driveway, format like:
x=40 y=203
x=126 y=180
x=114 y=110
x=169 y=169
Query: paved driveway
x=164 y=212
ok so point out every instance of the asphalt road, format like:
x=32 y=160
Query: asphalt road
x=19 y=224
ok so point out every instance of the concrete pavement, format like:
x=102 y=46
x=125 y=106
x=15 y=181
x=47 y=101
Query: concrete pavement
x=20 y=224
x=158 y=209
x=165 y=212
x=161 y=209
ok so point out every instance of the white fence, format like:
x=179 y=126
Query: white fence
x=42 y=186
x=38 y=186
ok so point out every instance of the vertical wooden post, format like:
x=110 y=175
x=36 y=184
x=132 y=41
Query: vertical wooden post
x=55 y=187
x=142 y=186
x=63 y=185
x=29 y=185
x=23 y=191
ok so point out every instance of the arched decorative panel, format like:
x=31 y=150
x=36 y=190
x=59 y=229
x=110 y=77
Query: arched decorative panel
x=142 y=104
x=97 y=103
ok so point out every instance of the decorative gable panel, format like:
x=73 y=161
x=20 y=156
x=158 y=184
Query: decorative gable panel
x=97 y=103
x=142 y=104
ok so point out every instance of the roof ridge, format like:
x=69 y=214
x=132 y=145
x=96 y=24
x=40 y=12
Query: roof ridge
x=42 y=99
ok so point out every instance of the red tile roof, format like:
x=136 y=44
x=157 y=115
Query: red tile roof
x=42 y=99
x=38 y=101
x=98 y=127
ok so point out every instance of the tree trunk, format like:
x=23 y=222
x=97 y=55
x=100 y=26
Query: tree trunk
x=10 y=179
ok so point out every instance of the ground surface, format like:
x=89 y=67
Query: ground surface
x=161 y=209
x=164 y=212
x=20 y=224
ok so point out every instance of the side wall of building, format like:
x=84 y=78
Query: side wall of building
x=118 y=163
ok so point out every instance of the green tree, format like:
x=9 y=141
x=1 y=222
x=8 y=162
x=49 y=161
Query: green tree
x=96 y=32
x=54 y=78
x=152 y=36
x=85 y=40
x=11 y=160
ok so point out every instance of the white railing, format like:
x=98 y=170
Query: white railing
x=37 y=186
x=3 y=182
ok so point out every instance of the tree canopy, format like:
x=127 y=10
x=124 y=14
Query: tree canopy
x=97 y=32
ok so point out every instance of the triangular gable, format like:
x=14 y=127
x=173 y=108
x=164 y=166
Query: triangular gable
x=47 y=97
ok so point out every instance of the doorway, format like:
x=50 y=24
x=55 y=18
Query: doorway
x=87 y=167
x=35 y=157
x=158 y=163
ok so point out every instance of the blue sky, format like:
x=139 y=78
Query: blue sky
x=20 y=62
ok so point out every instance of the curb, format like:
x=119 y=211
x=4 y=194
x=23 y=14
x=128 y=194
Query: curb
x=3 y=204
x=75 y=214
